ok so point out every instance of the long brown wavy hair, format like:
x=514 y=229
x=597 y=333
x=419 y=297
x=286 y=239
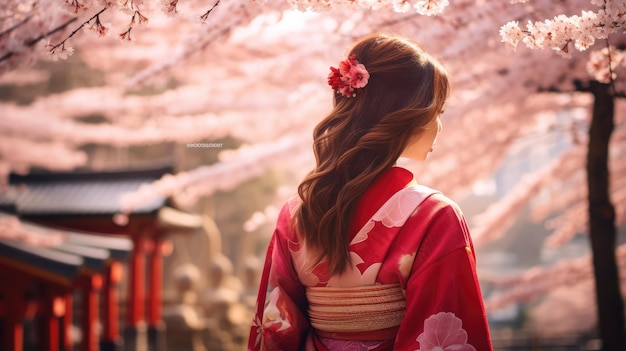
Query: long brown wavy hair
x=363 y=136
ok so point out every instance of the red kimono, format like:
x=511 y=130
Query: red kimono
x=412 y=284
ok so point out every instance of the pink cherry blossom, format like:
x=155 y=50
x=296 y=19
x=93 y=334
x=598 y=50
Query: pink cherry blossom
x=430 y=7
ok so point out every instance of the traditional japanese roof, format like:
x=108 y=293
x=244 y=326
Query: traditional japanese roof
x=77 y=193
x=39 y=261
x=54 y=254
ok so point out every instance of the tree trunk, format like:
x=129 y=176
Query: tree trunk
x=602 y=230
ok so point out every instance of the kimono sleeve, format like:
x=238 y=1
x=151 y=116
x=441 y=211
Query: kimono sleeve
x=444 y=303
x=280 y=322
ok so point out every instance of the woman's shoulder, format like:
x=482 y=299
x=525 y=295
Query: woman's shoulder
x=445 y=222
x=287 y=213
x=437 y=198
x=291 y=205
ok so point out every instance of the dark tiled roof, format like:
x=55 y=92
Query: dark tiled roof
x=51 y=261
x=7 y=204
x=78 y=197
x=77 y=192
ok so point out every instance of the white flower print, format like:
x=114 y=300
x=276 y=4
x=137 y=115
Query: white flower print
x=362 y=234
x=271 y=314
x=302 y=261
x=443 y=332
x=396 y=211
x=256 y=324
x=353 y=276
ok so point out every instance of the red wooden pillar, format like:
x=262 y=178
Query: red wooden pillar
x=52 y=309
x=156 y=328
x=90 y=286
x=68 y=341
x=135 y=329
x=156 y=281
x=136 y=293
x=110 y=310
x=14 y=324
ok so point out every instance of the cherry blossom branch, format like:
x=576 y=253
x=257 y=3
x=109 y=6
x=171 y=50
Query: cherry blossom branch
x=581 y=31
x=400 y=19
x=423 y=7
x=137 y=18
x=236 y=166
x=199 y=44
x=170 y=7
x=538 y=281
x=130 y=4
x=12 y=228
x=34 y=41
x=206 y=14
x=141 y=19
x=126 y=35
x=76 y=5
x=53 y=48
x=17 y=25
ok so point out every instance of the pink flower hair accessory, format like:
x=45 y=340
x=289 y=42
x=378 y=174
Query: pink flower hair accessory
x=350 y=75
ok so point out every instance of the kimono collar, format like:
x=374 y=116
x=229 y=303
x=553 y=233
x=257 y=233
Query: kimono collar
x=392 y=181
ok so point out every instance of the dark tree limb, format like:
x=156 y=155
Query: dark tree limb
x=34 y=41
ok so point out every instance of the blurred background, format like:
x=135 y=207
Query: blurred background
x=140 y=179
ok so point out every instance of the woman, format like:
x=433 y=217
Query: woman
x=364 y=258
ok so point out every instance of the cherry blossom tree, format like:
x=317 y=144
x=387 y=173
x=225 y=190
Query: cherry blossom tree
x=558 y=34
x=256 y=70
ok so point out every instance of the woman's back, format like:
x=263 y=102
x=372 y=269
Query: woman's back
x=364 y=258
x=412 y=244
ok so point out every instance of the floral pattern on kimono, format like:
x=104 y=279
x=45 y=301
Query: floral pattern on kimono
x=444 y=332
x=402 y=234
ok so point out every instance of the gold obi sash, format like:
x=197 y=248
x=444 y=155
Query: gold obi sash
x=358 y=309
